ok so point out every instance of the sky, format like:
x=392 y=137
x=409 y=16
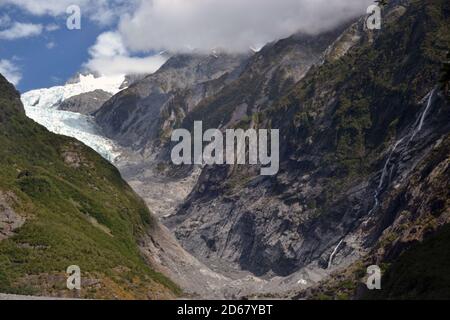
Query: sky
x=38 y=50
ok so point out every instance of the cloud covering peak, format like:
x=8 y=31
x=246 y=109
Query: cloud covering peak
x=180 y=25
x=109 y=56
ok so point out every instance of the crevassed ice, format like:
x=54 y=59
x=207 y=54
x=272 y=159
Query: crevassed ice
x=41 y=106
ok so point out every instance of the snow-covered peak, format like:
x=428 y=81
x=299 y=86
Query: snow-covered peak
x=51 y=97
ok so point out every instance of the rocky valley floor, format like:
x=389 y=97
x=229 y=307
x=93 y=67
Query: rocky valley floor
x=210 y=279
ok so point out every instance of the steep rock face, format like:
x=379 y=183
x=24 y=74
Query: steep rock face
x=143 y=115
x=353 y=131
x=412 y=246
x=268 y=75
x=85 y=103
x=131 y=79
x=61 y=204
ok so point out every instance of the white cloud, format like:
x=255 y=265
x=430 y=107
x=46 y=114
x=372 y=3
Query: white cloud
x=10 y=71
x=51 y=27
x=21 y=30
x=236 y=25
x=110 y=57
x=102 y=11
x=41 y=7
x=50 y=45
x=109 y=44
x=181 y=25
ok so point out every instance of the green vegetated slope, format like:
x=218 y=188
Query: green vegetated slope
x=77 y=211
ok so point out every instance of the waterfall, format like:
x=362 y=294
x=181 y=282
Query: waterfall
x=383 y=176
x=387 y=168
x=423 y=116
x=417 y=128
x=330 y=261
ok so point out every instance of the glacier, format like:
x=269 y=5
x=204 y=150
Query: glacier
x=52 y=97
x=41 y=105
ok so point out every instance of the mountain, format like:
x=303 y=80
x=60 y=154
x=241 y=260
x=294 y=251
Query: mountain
x=61 y=204
x=131 y=79
x=140 y=120
x=364 y=148
x=269 y=74
x=143 y=115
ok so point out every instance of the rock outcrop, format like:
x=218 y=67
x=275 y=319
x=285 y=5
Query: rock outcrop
x=85 y=103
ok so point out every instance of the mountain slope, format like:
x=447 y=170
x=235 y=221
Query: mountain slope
x=143 y=115
x=353 y=133
x=269 y=74
x=61 y=204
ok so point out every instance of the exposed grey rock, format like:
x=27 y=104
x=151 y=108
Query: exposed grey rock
x=130 y=79
x=144 y=114
x=85 y=103
x=314 y=208
x=268 y=75
x=254 y=235
x=9 y=219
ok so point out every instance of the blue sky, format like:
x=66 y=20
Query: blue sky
x=37 y=50
x=51 y=58
x=125 y=36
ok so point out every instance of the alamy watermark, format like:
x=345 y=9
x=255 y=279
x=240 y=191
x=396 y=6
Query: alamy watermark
x=74 y=278
x=374 y=19
x=374 y=278
x=73 y=21
x=240 y=146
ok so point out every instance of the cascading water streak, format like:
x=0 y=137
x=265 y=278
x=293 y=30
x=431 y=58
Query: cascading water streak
x=330 y=260
x=423 y=116
x=417 y=128
x=383 y=176
x=388 y=169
